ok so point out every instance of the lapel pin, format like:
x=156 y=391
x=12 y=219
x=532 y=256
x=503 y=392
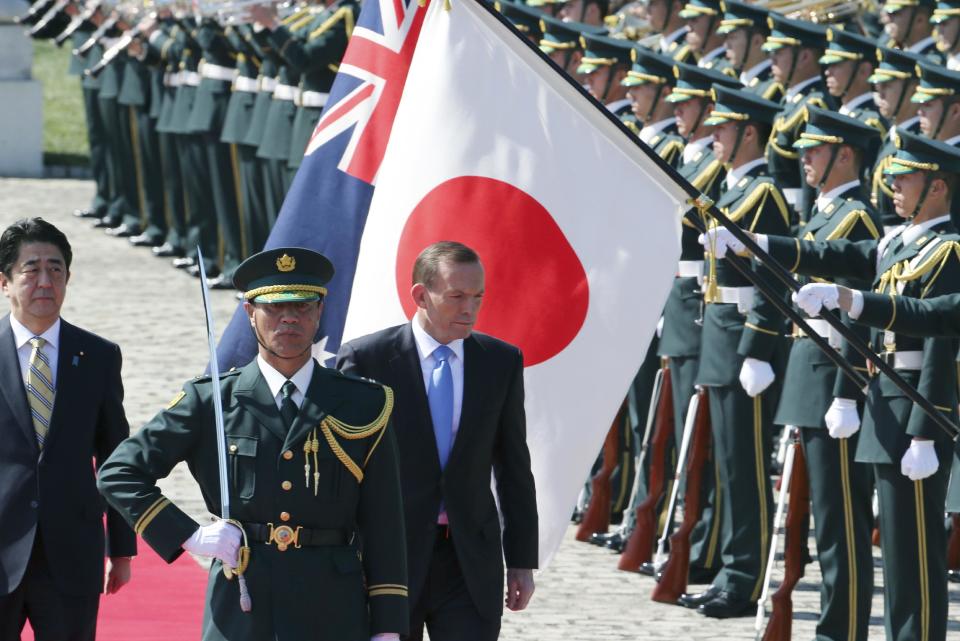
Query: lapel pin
x=76 y=359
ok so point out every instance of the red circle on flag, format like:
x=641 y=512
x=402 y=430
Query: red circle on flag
x=536 y=288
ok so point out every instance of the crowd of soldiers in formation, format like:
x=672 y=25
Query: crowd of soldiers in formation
x=796 y=118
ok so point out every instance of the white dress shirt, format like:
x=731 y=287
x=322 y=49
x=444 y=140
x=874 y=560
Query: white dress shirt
x=670 y=38
x=22 y=336
x=847 y=108
x=754 y=71
x=800 y=86
x=694 y=147
x=617 y=105
x=918 y=47
x=275 y=381
x=734 y=175
x=426 y=344
x=711 y=55
x=647 y=133
x=825 y=199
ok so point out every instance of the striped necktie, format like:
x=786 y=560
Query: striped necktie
x=40 y=391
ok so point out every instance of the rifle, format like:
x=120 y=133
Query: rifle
x=676 y=570
x=48 y=17
x=597 y=518
x=34 y=13
x=953 y=544
x=75 y=24
x=111 y=54
x=94 y=38
x=794 y=481
x=640 y=545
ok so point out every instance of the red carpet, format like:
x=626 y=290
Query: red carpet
x=161 y=603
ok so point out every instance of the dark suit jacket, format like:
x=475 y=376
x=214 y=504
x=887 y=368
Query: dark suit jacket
x=491 y=436
x=56 y=490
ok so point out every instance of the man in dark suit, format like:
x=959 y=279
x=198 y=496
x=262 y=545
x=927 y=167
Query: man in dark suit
x=459 y=415
x=61 y=404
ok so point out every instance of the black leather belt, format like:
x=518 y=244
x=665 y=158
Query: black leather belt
x=285 y=536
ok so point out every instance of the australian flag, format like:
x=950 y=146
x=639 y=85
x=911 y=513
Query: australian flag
x=326 y=208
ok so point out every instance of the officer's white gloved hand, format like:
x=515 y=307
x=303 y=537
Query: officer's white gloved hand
x=755 y=376
x=920 y=460
x=718 y=240
x=385 y=636
x=660 y=327
x=811 y=298
x=219 y=540
x=842 y=418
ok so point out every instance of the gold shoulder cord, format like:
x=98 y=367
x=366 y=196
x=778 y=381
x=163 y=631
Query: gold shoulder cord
x=910 y=270
x=330 y=425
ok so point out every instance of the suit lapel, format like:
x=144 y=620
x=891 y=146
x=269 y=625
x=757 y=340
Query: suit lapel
x=474 y=363
x=253 y=395
x=70 y=374
x=13 y=389
x=322 y=397
x=405 y=363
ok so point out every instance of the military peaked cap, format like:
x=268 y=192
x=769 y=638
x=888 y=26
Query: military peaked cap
x=919 y=153
x=603 y=51
x=740 y=15
x=785 y=32
x=935 y=82
x=825 y=127
x=696 y=82
x=284 y=275
x=738 y=105
x=649 y=68
x=846 y=45
x=894 y=65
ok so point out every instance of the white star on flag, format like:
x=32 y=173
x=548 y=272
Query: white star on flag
x=319 y=351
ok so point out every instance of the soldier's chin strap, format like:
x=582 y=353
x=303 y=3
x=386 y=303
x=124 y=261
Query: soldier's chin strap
x=903 y=94
x=654 y=103
x=741 y=129
x=853 y=77
x=703 y=110
x=606 y=89
x=943 y=117
x=834 y=152
x=906 y=36
x=793 y=67
x=927 y=182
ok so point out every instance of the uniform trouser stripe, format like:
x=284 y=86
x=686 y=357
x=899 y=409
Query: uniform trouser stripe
x=851 y=547
x=922 y=550
x=761 y=484
x=717 y=511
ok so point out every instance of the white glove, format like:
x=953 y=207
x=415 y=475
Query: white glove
x=660 y=327
x=920 y=460
x=811 y=298
x=755 y=376
x=842 y=418
x=385 y=636
x=718 y=240
x=219 y=540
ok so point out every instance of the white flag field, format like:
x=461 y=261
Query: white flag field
x=577 y=227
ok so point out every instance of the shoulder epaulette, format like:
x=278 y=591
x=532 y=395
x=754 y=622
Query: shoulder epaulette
x=843 y=229
x=772 y=89
x=343 y=13
x=705 y=178
x=761 y=192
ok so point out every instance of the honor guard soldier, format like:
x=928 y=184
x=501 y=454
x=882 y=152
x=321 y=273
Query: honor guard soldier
x=312 y=472
x=938 y=100
x=946 y=21
x=907 y=24
x=894 y=81
x=649 y=82
x=692 y=101
x=604 y=65
x=590 y=12
x=745 y=29
x=525 y=18
x=664 y=17
x=795 y=48
x=817 y=395
x=848 y=63
x=561 y=41
x=703 y=18
x=741 y=349
x=908 y=451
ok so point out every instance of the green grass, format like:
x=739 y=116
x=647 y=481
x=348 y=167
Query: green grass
x=64 y=124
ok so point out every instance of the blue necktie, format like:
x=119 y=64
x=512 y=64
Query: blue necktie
x=440 y=397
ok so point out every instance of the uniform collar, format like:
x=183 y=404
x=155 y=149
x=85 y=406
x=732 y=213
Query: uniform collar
x=903 y=126
x=800 y=86
x=847 y=107
x=694 y=147
x=22 y=335
x=670 y=38
x=275 y=379
x=734 y=175
x=914 y=231
x=427 y=344
x=617 y=105
x=918 y=47
x=711 y=55
x=955 y=141
x=755 y=71
x=826 y=198
x=649 y=131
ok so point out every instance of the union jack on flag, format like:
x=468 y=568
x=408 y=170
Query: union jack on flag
x=327 y=205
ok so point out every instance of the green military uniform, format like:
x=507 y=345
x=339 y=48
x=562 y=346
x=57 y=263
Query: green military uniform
x=925 y=48
x=739 y=324
x=759 y=79
x=937 y=83
x=800 y=93
x=841 y=489
x=326 y=550
x=714 y=59
x=680 y=339
x=894 y=65
x=600 y=51
x=523 y=17
x=906 y=262
x=652 y=68
x=123 y=204
x=96 y=135
x=316 y=56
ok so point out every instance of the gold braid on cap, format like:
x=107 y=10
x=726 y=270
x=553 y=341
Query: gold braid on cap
x=279 y=289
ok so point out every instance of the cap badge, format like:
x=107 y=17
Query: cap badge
x=286 y=263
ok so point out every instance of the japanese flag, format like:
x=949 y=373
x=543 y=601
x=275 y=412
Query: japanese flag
x=577 y=227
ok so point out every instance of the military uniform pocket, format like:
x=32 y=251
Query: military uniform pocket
x=242 y=452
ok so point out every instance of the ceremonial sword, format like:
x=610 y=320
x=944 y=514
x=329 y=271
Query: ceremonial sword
x=244 y=554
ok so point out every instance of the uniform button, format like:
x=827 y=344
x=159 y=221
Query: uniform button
x=233 y=448
x=34 y=504
x=286 y=485
x=284 y=516
x=287 y=455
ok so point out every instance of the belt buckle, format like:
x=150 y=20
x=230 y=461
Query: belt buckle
x=283 y=536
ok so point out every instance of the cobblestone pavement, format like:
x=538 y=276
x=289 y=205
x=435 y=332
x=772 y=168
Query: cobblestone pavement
x=155 y=314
